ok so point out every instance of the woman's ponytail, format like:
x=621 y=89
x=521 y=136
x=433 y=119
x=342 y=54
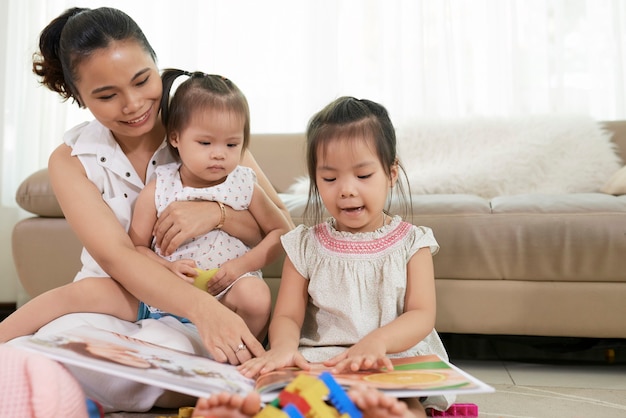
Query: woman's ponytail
x=47 y=62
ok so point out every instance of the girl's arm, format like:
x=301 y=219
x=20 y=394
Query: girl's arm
x=249 y=161
x=181 y=221
x=106 y=240
x=285 y=328
x=274 y=225
x=417 y=321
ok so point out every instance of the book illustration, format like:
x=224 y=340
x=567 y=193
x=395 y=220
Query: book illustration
x=412 y=376
x=123 y=356
x=119 y=355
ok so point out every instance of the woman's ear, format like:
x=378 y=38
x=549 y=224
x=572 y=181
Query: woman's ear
x=173 y=137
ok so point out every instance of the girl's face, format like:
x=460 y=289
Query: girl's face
x=210 y=147
x=121 y=86
x=352 y=183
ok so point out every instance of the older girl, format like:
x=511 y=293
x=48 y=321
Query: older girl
x=358 y=287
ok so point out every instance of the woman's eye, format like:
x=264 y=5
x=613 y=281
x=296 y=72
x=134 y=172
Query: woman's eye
x=144 y=81
x=109 y=97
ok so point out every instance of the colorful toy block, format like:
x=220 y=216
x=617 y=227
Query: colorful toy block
x=310 y=397
x=462 y=410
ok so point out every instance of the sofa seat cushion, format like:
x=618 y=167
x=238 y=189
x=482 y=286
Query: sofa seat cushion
x=564 y=237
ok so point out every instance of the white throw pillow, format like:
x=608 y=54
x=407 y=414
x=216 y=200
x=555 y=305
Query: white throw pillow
x=617 y=183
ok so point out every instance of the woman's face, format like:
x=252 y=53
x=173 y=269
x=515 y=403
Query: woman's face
x=121 y=86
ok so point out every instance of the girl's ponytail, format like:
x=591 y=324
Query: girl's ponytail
x=168 y=76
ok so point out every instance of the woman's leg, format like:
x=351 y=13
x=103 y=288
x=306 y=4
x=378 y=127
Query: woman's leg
x=95 y=294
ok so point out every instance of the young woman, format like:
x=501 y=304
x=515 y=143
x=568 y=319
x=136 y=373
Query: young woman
x=101 y=59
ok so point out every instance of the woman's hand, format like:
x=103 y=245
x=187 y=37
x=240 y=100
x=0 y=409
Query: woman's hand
x=183 y=220
x=272 y=360
x=364 y=355
x=225 y=335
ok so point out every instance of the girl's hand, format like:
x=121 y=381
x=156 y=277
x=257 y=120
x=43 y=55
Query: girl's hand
x=272 y=360
x=364 y=355
x=185 y=269
x=226 y=275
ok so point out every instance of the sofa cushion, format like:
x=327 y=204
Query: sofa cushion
x=35 y=195
x=617 y=183
x=572 y=237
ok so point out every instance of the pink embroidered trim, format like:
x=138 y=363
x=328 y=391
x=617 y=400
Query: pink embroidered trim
x=371 y=246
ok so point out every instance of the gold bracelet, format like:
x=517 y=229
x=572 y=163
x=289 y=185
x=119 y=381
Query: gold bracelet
x=223 y=217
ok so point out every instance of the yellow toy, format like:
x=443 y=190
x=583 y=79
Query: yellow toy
x=202 y=279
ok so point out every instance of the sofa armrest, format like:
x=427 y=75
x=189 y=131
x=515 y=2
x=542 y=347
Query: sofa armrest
x=35 y=195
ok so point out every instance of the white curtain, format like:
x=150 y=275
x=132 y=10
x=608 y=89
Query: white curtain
x=421 y=59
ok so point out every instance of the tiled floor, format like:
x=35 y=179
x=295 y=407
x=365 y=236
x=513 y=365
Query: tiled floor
x=544 y=378
x=537 y=377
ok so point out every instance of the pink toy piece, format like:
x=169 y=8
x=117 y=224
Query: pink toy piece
x=462 y=410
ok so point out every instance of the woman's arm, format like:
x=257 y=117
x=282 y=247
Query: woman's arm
x=181 y=221
x=140 y=232
x=106 y=240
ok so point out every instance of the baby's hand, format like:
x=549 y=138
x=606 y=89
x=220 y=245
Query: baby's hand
x=361 y=356
x=273 y=359
x=185 y=269
x=227 y=273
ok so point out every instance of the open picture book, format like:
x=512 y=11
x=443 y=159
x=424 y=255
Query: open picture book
x=137 y=360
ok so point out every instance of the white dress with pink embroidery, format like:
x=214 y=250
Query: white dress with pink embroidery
x=357 y=283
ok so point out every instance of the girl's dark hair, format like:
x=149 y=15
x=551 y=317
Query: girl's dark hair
x=74 y=36
x=200 y=91
x=348 y=117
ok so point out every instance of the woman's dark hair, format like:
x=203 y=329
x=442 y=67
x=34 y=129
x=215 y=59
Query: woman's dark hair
x=74 y=36
x=348 y=117
x=200 y=91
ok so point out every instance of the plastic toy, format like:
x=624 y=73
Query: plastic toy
x=465 y=410
x=203 y=277
x=183 y=412
x=310 y=397
x=94 y=409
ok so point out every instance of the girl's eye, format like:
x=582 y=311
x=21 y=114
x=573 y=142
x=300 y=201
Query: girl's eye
x=109 y=97
x=365 y=176
x=204 y=143
x=144 y=81
x=328 y=180
x=233 y=145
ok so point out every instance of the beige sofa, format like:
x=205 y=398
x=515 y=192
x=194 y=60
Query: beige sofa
x=545 y=265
